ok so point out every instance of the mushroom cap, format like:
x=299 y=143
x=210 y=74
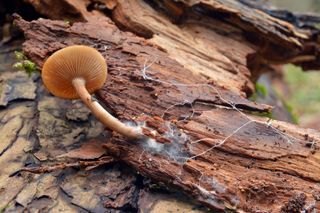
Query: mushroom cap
x=72 y=62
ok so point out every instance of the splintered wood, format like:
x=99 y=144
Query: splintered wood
x=185 y=70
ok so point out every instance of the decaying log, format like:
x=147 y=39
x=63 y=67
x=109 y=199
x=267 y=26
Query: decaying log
x=283 y=37
x=188 y=79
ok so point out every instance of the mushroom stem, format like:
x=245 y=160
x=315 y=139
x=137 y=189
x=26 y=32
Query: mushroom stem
x=105 y=117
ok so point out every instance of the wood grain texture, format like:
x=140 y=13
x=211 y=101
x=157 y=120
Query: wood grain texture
x=188 y=72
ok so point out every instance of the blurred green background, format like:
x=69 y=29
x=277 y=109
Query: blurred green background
x=301 y=93
x=304 y=6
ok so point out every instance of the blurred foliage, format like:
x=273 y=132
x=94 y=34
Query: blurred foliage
x=304 y=90
x=23 y=64
x=290 y=110
x=303 y=99
x=298 y=5
x=260 y=91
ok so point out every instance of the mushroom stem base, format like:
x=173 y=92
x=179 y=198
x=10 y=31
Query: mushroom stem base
x=104 y=116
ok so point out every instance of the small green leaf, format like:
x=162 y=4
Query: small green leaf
x=19 y=55
x=29 y=65
x=18 y=66
x=24 y=64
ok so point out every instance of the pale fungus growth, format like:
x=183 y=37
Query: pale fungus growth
x=77 y=72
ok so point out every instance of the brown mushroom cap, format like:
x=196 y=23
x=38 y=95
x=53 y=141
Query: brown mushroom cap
x=74 y=62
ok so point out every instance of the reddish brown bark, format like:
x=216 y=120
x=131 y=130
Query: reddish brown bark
x=195 y=73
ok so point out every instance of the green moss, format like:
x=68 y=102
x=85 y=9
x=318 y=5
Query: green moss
x=24 y=64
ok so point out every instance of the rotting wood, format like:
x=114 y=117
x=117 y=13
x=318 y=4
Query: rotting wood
x=257 y=169
x=272 y=40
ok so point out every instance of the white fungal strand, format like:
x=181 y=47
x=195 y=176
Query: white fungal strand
x=250 y=120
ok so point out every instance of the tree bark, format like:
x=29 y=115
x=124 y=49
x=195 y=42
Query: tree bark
x=185 y=70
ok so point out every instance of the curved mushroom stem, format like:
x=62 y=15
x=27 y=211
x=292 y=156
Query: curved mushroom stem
x=105 y=117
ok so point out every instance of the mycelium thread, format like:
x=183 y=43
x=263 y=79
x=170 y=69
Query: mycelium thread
x=250 y=120
x=186 y=159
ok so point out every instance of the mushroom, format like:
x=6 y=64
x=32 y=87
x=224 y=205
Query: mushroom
x=77 y=72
